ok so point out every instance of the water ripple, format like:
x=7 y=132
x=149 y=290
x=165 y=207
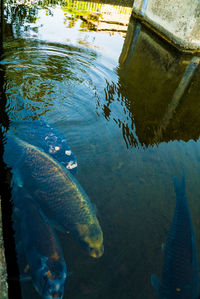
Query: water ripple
x=54 y=80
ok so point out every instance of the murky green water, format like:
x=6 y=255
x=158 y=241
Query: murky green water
x=110 y=97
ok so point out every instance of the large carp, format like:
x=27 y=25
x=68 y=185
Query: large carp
x=58 y=193
x=42 y=250
x=180 y=275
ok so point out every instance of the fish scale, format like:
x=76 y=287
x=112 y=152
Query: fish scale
x=58 y=193
x=62 y=189
x=178 y=241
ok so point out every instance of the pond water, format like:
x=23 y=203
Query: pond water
x=111 y=95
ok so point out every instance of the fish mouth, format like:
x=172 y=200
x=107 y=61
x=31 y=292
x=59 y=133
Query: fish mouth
x=96 y=252
x=55 y=295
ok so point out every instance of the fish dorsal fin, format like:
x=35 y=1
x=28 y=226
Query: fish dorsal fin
x=179 y=186
x=155 y=283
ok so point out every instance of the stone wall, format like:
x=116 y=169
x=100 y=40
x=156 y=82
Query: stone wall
x=3 y=273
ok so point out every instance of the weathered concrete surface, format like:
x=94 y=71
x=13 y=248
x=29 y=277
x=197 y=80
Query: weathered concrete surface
x=3 y=272
x=176 y=20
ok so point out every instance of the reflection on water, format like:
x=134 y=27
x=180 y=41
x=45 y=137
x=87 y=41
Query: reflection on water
x=154 y=91
x=128 y=108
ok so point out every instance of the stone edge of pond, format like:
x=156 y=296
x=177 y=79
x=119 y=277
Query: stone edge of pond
x=3 y=268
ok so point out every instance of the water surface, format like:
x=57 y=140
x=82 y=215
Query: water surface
x=108 y=94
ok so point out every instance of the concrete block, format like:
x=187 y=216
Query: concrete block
x=177 y=21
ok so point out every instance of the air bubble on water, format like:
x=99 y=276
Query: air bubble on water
x=68 y=153
x=71 y=165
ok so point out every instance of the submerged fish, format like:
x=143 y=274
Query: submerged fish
x=180 y=270
x=41 y=134
x=58 y=193
x=41 y=247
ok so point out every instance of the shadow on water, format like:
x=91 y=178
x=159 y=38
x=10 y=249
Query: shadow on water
x=14 y=289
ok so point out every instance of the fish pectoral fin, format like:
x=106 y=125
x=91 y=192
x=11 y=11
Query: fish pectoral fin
x=94 y=208
x=17 y=180
x=25 y=278
x=155 y=283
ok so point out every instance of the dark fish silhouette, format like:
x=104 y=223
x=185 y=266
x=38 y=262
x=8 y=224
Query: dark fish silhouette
x=180 y=270
x=41 y=134
x=58 y=193
x=42 y=250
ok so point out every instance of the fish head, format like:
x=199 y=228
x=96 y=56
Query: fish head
x=92 y=238
x=53 y=287
x=50 y=281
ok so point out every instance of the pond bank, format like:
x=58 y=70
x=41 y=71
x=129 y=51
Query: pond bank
x=3 y=271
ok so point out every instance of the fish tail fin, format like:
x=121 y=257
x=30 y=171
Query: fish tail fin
x=179 y=186
x=155 y=283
